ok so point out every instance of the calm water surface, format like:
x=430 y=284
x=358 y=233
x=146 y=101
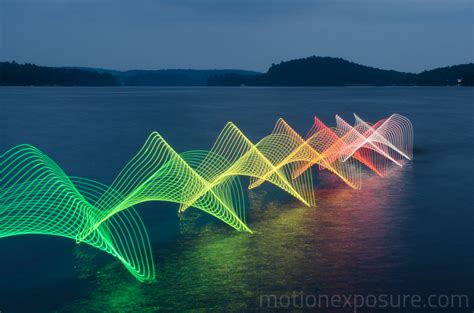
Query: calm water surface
x=411 y=232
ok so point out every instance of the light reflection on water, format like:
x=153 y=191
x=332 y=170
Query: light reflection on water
x=411 y=232
x=294 y=248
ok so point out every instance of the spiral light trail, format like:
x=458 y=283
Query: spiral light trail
x=37 y=197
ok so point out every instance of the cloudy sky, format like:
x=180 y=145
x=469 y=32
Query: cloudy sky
x=408 y=35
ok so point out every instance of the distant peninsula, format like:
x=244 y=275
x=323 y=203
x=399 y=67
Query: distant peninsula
x=328 y=71
x=311 y=71
x=14 y=74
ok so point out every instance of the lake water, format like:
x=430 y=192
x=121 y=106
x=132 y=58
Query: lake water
x=411 y=232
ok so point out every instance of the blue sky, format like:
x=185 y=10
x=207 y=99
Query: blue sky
x=408 y=35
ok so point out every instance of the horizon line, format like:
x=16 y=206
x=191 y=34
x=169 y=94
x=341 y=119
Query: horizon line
x=227 y=68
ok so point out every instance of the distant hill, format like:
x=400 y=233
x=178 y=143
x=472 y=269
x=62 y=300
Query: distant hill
x=170 y=77
x=175 y=77
x=14 y=74
x=312 y=71
x=327 y=71
x=448 y=75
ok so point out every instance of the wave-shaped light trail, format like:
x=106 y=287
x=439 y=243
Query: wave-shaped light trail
x=37 y=197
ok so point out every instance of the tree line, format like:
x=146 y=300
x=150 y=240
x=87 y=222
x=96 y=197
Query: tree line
x=327 y=71
x=14 y=74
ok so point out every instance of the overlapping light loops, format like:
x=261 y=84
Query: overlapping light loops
x=37 y=197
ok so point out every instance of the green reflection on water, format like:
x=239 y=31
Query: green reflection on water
x=294 y=248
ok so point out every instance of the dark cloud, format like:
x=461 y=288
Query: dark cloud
x=406 y=35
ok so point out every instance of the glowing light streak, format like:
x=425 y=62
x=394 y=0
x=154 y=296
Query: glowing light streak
x=37 y=197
